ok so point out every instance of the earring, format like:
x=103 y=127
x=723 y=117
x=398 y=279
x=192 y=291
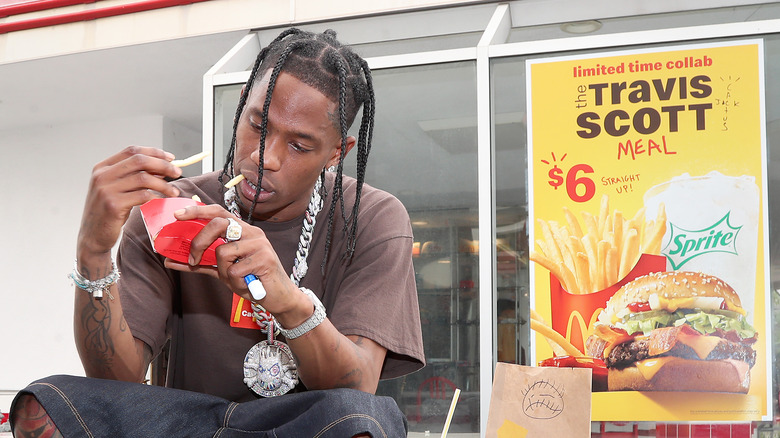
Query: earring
x=332 y=169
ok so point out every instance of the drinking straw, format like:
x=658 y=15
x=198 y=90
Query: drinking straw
x=449 y=414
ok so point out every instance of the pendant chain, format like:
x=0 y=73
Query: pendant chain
x=300 y=265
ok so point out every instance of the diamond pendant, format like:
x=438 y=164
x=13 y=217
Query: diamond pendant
x=269 y=367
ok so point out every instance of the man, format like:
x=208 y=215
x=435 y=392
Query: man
x=336 y=283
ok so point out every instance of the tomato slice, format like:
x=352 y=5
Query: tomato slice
x=639 y=307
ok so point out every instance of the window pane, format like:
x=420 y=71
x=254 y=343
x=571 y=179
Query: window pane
x=225 y=104
x=509 y=138
x=509 y=110
x=425 y=152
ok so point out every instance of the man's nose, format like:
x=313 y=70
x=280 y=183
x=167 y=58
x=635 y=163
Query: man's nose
x=272 y=154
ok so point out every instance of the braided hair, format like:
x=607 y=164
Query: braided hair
x=322 y=62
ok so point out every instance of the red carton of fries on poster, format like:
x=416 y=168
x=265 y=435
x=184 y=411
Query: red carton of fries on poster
x=172 y=238
x=573 y=315
x=589 y=259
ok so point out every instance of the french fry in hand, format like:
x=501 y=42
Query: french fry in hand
x=191 y=160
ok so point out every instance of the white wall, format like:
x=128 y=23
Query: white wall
x=45 y=172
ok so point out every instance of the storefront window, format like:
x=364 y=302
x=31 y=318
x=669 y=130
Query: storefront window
x=225 y=104
x=509 y=139
x=424 y=152
x=508 y=96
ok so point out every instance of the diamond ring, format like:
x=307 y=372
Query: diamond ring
x=233 y=231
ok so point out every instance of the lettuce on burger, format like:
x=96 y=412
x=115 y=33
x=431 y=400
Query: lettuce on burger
x=675 y=331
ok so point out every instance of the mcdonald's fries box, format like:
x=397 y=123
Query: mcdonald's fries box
x=172 y=238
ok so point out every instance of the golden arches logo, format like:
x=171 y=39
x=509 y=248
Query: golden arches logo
x=585 y=329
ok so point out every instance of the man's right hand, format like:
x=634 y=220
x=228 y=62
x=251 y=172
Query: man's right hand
x=119 y=183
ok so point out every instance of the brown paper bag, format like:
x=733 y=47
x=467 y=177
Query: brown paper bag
x=533 y=402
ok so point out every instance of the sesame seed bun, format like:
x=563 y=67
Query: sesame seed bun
x=672 y=284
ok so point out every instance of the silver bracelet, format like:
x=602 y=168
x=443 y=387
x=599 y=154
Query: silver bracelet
x=95 y=287
x=310 y=324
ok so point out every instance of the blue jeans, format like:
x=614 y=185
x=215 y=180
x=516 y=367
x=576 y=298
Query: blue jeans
x=81 y=406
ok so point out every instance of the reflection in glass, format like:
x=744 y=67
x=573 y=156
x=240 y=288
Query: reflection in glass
x=425 y=153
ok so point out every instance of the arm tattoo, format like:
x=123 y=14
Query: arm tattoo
x=96 y=320
x=32 y=421
x=354 y=377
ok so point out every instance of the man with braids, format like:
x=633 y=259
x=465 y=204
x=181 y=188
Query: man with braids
x=336 y=310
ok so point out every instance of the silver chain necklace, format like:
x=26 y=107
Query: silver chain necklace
x=269 y=366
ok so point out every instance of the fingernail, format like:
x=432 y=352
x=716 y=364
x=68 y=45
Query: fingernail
x=192 y=260
x=170 y=155
x=179 y=212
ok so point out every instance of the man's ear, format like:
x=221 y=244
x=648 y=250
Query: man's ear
x=334 y=158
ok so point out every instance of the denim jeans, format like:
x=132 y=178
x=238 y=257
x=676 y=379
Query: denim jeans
x=89 y=407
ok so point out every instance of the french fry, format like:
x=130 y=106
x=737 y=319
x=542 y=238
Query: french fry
x=598 y=251
x=567 y=278
x=653 y=244
x=558 y=343
x=556 y=348
x=553 y=250
x=574 y=225
x=612 y=266
x=617 y=228
x=603 y=214
x=591 y=250
x=629 y=254
x=567 y=257
x=592 y=225
x=555 y=337
x=191 y=160
x=603 y=248
x=639 y=217
x=548 y=264
x=237 y=179
x=583 y=273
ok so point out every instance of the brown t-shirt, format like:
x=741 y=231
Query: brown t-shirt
x=373 y=296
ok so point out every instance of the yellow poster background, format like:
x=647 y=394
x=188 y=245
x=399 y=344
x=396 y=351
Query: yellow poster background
x=638 y=119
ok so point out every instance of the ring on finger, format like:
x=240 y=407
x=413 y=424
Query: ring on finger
x=233 y=231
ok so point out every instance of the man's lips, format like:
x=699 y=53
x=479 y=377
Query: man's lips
x=249 y=189
x=253 y=186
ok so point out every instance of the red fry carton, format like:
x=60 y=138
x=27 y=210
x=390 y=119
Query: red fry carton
x=573 y=315
x=172 y=238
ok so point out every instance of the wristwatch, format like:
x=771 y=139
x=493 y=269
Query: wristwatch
x=314 y=320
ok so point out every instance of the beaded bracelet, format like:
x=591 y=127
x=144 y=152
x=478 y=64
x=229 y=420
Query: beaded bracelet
x=95 y=287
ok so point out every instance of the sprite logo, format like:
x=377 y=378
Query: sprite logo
x=684 y=245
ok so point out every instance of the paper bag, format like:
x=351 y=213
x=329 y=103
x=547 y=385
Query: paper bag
x=535 y=402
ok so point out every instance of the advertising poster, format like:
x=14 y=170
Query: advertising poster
x=648 y=229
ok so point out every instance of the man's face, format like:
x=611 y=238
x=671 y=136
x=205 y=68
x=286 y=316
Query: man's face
x=302 y=139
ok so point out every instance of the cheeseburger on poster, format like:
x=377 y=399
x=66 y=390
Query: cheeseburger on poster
x=675 y=331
